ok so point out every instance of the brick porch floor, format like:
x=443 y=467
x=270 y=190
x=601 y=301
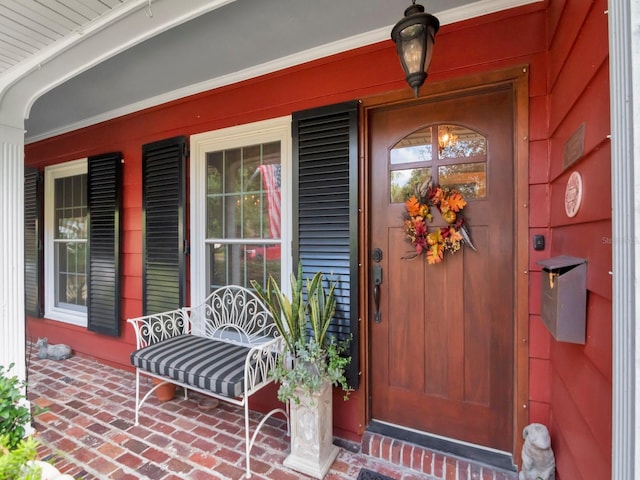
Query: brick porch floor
x=89 y=433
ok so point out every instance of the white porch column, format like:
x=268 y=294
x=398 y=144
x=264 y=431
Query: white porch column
x=12 y=319
x=624 y=57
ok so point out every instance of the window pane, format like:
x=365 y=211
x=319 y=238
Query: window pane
x=415 y=147
x=59 y=196
x=468 y=178
x=238 y=264
x=78 y=185
x=455 y=141
x=214 y=217
x=403 y=182
x=271 y=152
x=263 y=260
x=216 y=261
x=71 y=291
x=70 y=242
x=233 y=220
x=214 y=173
x=254 y=227
x=71 y=207
x=243 y=203
x=232 y=187
x=250 y=162
x=81 y=257
x=270 y=199
x=66 y=236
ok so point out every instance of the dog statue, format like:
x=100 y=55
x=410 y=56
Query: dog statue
x=538 y=460
x=52 y=352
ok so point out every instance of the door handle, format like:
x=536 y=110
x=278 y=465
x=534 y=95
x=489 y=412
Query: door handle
x=377 y=281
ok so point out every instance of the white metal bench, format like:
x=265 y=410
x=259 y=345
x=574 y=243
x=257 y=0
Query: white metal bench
x=223 y=348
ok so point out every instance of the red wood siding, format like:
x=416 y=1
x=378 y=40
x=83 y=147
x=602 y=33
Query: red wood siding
x=580 y=376
x=570 y=385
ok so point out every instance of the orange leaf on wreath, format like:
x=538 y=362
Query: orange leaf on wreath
x=454 y=235
x=413 y=206
x=436 y=195
x=435 y=253
x=455 y=201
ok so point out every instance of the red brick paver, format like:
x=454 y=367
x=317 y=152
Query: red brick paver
x=88 y=432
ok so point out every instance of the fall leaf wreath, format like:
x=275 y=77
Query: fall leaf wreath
x=435 y=241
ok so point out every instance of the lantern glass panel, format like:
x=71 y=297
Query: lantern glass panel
x=413 y=54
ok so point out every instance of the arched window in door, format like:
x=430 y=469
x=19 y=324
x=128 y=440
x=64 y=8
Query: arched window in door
x=451 y=155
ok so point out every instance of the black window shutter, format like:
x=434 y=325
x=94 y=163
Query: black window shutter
x=33 y=242
x=325 y=193
x=104 y=180
x=163 y=173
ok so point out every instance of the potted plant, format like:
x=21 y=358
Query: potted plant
x=164 y=390
x=18 y=451
x=309 y=366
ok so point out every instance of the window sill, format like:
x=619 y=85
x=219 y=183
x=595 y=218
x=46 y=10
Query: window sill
x=66 y=316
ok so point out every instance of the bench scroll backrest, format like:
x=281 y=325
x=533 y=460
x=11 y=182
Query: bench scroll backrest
x=235 y=314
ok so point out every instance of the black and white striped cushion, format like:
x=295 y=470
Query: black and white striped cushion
x=198 y=361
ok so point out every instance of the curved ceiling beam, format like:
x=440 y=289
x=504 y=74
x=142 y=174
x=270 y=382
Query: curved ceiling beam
x=109 y=35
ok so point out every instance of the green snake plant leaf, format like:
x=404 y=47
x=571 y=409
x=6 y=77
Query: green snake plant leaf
x=289 y=315
x=322 y=306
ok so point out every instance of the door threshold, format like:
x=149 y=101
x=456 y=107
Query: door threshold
x=448 y=446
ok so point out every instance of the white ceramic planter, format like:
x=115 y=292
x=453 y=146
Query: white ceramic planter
x=312 y=448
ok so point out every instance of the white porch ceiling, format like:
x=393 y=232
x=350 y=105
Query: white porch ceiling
x=26 y=27
x=65 y=64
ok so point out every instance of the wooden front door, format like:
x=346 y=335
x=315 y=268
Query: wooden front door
x=442 y=345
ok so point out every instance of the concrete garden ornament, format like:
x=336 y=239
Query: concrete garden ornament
x=52 y=352
x=538 y=460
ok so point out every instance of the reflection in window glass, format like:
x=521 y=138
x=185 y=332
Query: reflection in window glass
x=243 y=214
x=415 y=147
x=70 y=243
x=229 y=262
x=403 y=182
x=455 y=141
x=470 y=179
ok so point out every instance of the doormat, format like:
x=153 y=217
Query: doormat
x=371 y=475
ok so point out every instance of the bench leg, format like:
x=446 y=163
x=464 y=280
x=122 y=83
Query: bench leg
x=140 y=402
x=249 y=442
x=247 y=446
x=137 y=394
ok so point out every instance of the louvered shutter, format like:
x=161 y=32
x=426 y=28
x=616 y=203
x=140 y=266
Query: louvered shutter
x=325 y=193
x=104 y=180
x=33 y=242
x=163 y=171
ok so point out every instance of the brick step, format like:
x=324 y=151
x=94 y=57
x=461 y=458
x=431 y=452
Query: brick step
x=427 y=462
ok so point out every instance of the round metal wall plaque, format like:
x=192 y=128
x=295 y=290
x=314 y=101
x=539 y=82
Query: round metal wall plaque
x=573 y=195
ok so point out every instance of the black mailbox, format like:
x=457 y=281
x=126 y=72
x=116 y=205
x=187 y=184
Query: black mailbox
x=564 y=297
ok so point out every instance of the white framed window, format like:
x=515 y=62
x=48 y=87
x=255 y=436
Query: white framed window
x=65 y=242
x=240 y=205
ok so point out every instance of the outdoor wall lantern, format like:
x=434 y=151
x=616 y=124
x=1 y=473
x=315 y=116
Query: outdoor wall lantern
x=414 y=38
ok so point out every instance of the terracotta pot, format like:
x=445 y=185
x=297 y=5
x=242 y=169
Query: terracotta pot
x=164 y=392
